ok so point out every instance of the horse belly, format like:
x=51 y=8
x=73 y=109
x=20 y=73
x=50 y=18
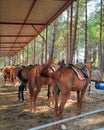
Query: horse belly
x=78 y=85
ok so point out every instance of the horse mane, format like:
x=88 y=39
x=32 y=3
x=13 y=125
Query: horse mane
x=44 y=71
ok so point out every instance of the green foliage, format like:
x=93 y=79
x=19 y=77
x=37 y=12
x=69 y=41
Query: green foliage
x=93 y=30
x=1 y=63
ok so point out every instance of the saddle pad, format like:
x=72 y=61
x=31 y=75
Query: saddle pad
x=79 y=73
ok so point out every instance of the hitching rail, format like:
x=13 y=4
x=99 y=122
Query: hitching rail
x=66 y=119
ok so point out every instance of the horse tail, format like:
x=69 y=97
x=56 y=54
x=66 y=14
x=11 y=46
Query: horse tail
x=31 y=90
x=32 y=82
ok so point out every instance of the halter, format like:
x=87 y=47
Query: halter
x=52 y=69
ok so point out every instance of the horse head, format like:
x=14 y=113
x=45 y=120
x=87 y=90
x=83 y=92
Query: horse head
x=89 y=67
x=51 y=67
x=61 y=64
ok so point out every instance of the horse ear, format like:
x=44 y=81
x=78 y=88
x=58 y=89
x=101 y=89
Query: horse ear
x=93 y=61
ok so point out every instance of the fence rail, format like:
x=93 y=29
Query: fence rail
x=67 y=119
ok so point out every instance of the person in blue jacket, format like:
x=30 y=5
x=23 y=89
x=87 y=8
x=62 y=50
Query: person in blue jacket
x=21 y=92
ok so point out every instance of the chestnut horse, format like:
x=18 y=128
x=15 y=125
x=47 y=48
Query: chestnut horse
x=24 y=72
x=14 y=73
x=6 y=73
x=35 y=82
x=66 y=80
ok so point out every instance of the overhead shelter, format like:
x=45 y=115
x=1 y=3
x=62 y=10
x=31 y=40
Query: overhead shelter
x=22 y=20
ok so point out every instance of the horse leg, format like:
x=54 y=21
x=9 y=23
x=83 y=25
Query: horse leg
x=34 y=98
x=59 y=111
x=52 y=98
x=5 y=79
x=31 y=103
x=62 y=104
x=26 y=86
x=78 y=103
x=10 y=82
x=56 y=106
x=80 y=95
x=50 y=95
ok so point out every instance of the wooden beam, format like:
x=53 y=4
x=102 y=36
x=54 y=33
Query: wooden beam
x=17 y=23
x=18 y=36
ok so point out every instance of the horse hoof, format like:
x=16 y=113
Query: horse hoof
x=63 y=127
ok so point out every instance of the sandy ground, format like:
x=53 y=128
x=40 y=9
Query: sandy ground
x=15 y=115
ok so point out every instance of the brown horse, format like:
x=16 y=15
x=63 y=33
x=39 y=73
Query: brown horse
x=6 y=73
x=14 y=73
x=35 y=82
x=67 y=80
x=23 y=74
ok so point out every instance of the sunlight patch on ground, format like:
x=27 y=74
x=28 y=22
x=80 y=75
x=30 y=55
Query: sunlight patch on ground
x=3 y=107
x=43 y=109
x=93 y=121
x=7 y=93
x=39 y=109
x=26 y=110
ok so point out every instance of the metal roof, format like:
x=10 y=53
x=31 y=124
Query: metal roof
x=22 y=20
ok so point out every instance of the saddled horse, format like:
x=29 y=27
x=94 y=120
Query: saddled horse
x=67 y=79
x=35 y=83
x=6 y=73
x=24 y=72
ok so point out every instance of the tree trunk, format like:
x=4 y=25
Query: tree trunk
x=86 y=44
x=71 y=43
x=34 y=52
x=75 y=31
x=53 y=37
x=101 y=48
x=42 y=51
x=27 y=56
x=67 y=39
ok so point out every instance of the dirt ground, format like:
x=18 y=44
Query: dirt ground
x=15 y=115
